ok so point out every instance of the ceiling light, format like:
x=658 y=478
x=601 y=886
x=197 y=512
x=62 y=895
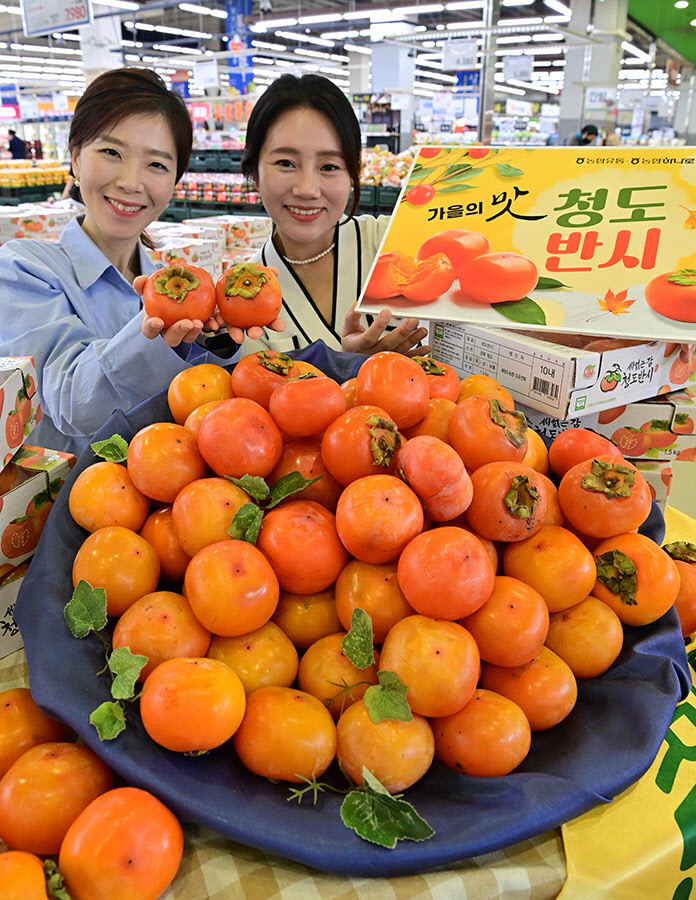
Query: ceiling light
x=203 y=10
x=313 y=53
x=508 y=90
x=164 y=29
x=421 y=10
x=516 y=2
x=422 y=61
x=465 y=31
x=264 y=45
x=636 y=51
x=272 y=23
x=531 y=20
x=338 y=35
x=558 y=7
x=15 y=10
x=549 y=36
x=514 y=39
x=40 y=48
x=465 y=4
x=170 y=48
x=353 y=48
x=117 y=4
x=327 y=17
x=361 y=14
x=303 y=38
x=440 y=77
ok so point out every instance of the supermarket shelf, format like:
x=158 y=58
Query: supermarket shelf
x=211 y=160
x=373 y=200
x=35 y=194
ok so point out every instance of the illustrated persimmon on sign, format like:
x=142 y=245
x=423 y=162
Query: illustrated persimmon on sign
x=582 y=240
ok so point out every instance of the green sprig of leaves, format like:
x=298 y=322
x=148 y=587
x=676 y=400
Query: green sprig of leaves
x=371 y=811
x=112 y=449
x=377 y=816
x=248 y=519
x=85 y=613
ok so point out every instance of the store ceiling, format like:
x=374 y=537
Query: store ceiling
x=672 y=25
x=546 y=32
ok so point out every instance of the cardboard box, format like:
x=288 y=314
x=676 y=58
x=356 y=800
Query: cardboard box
x=659 y=478
x=186 y=251
x=161 y=232
x=659 y=429
x=34 y=220
x=19 y=403
x=25 y=506
x=240 y=231
x=561 y=381
x=10 y=638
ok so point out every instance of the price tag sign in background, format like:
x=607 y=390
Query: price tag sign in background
x=460 y=55
x=46 y=16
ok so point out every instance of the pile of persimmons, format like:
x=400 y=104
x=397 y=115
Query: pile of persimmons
x=424 y=501
x=297 y=557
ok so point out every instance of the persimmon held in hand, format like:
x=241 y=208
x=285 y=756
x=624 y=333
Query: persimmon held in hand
x=248 y=294
x=179 y=292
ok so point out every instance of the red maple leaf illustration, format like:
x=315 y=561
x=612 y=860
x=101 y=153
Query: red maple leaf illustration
x=616 y=304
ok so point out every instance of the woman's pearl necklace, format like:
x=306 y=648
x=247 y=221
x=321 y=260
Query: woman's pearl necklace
x=304 y=262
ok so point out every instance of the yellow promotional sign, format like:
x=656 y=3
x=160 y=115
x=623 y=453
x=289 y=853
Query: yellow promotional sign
x=642 y=845
x=583 y=240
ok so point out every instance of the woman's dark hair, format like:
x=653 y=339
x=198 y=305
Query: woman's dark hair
x=307 y=92
x=119 y=93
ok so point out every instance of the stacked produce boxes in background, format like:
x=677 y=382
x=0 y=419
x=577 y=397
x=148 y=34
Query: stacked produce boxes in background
x=179 y=244
x=35 y=220
x=243 y=235
x=30 y=477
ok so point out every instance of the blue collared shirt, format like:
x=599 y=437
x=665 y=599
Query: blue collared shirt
x=70 y=308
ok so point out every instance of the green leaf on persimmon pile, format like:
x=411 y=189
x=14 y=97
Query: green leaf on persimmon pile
x=86 y=609
x=381 y=818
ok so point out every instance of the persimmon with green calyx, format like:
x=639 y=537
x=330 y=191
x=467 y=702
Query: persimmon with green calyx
x=604 y=496
x=248 y=294
x=635 y=577
x=673 y=295
x=397 y=274
x=179 y=292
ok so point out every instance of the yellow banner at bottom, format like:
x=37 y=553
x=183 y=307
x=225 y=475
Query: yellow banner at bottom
x=642 y=845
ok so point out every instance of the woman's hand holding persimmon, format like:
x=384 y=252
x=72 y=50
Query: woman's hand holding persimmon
x=188 y=330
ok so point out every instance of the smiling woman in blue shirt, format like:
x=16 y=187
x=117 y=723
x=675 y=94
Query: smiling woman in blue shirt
x=71 y=304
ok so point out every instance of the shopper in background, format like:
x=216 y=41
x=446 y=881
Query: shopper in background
x=303 y=151
x=16 y=146
x=71 y=304
x=587 y=135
